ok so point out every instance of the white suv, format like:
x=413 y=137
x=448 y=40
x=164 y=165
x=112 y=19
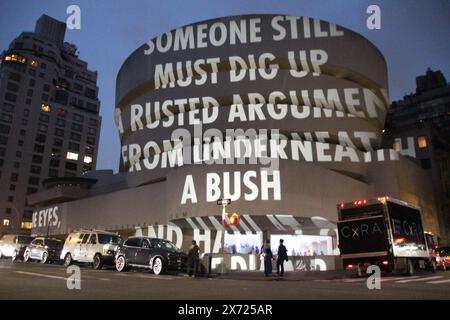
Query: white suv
x=90 y=246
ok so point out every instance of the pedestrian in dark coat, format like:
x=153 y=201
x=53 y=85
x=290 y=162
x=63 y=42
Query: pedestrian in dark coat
x=268 y=257
x=193 y=259
x=281 y=257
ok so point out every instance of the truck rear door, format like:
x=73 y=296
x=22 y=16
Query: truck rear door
x=363 y=237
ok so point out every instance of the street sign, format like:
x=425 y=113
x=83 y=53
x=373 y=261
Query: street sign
x=222 y=202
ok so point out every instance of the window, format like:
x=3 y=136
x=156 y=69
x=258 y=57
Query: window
x=75 y=136
x=57 y=142
x=4 y=128
x=71 y=166
x=72 y=156
x=32 y=82
x=42 y=128
x=26 y=225
x=24 y=122
x=422 y=142
x=90 y=93
x=19 y=154
x=44 y=97
x=77 y=127
x=32 y=72
x=14 y=76
x=87 y=159
x=78 y=117
x=23 y=132
x=36 y=158
x=33 y=180
x=31 y=190
x=8 y=107
x=92 y=131
x=10 y=198
x=12 y=87
x=20 y=143
x=2 y=152
x=45 y=107
x=44 y=117
x=3 y=140
x=91 y=106
x=46 y=87
x=8 y=210
x=10 y=97
x=78 y=87
x=60 y=122
x=28 y=101
x=34 y=63
x=74 y=146
x=52 y=173
x=54 y=163
x=62 y=113
x=5 y=222
x=41 y=138
x=12 y=187
x=29 y=92
x=43 y=66
x=59 y=132
x=6 y=117
x=16 y=164
x=35 y=169
x=14 y=177
x=14 y=58
x=93 y=122
x=26 y=112
x=90 y=140
x=38 y=148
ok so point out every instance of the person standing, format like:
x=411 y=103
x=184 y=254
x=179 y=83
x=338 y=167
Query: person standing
x=193 y=259
x=281 y=257
x=268 y=257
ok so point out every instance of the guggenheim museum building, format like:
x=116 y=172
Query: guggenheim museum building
x=281 y=115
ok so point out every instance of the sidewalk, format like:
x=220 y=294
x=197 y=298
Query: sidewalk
x=288 y=276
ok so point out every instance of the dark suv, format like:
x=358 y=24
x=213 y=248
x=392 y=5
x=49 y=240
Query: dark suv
x=156 y=254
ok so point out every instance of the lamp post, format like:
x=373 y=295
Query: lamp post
x=223 y=203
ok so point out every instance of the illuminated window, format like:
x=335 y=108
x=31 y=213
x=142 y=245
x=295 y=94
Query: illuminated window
x=422 y=142
x=396 y=146
x=71 y=156
x=5 y=222
x=45 y=107
x=34 y=63
x=15 y=58
x=26 y=225
x=87 y=159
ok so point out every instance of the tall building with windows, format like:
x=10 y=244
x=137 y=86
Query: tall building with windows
x=419 y=127
x=49 y=118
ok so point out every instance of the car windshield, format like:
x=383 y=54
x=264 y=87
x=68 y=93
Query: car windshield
x=164 y=244
x=108 y=239
x=24 y=239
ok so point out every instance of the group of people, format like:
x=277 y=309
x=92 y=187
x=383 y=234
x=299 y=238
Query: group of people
x=268 y=257
x=193 y=258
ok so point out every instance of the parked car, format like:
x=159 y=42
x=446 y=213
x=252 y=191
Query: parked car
x=13 y=246
x=43 y=249
x=155 y=254
x=444 y=257
x=94 y=246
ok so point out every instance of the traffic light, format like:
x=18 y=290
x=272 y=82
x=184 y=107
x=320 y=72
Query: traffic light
x=233 y=219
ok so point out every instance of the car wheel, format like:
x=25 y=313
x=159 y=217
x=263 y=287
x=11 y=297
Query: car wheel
x=14 y=256
x=121 y=264
x=26 y=256
x=68 y=259
x=409 y=268
x=97 y=264
x=157 y=266
x=44 y=258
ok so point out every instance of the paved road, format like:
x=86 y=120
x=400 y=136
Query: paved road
x=36 y=281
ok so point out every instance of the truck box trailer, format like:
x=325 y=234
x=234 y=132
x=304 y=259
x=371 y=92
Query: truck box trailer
x=386 y=232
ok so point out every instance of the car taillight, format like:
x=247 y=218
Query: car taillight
x=385 y=262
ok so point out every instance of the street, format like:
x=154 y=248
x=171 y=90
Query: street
x=21 y=280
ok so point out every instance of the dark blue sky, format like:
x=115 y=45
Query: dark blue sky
x=415 y=35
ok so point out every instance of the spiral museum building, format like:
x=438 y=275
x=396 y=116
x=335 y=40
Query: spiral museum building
x=282 y=115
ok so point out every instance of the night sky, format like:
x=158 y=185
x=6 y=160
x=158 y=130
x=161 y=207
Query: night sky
x=415 y=35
